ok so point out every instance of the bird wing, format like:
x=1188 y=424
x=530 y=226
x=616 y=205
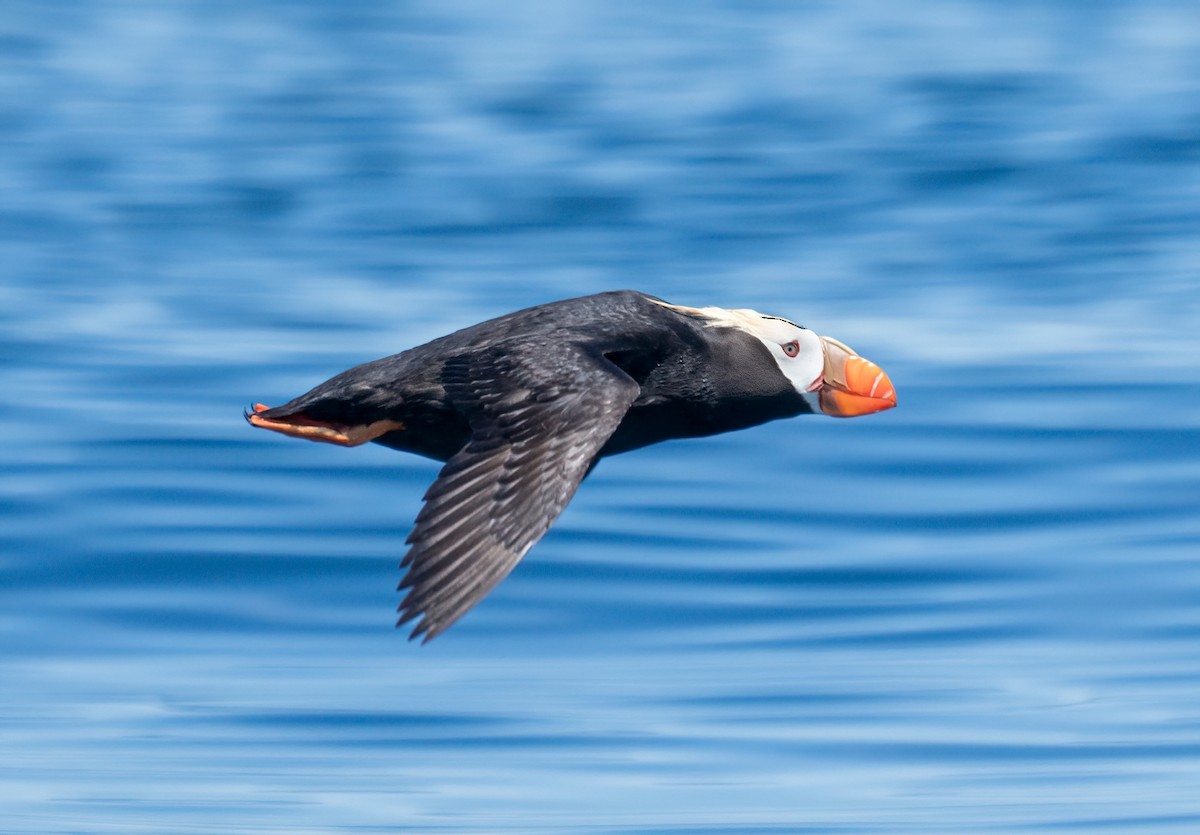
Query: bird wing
x=538 y=412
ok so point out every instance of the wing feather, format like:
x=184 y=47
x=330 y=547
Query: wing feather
x=539 y=414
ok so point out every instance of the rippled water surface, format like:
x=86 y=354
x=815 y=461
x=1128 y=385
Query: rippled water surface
x=977 y=613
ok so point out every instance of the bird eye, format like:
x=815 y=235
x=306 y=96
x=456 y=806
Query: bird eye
x=792 y=348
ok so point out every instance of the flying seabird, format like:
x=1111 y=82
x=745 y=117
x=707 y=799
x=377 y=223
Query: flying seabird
x=523 y=406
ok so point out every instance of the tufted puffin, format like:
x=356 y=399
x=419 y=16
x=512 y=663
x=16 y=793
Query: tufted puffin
x=523 y=406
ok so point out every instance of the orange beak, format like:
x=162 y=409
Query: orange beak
x=852 y=386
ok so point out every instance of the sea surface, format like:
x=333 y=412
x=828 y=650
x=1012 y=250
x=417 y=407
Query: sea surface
x=976 y=613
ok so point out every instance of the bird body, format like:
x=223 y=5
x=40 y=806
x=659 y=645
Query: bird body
x=521 y=407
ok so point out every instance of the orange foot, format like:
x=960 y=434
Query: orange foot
x=300 y=426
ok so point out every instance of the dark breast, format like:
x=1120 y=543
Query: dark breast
x=708 y=381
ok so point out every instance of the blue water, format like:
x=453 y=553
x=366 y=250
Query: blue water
x=976 y=613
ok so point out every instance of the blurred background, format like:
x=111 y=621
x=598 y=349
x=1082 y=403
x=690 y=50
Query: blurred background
x=979 y=612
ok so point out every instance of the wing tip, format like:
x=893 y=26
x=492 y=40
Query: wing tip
x=423 y=629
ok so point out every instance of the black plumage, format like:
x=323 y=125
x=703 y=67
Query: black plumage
x=521 y=407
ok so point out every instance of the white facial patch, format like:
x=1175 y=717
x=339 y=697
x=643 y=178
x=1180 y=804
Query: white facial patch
x=804 y=370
